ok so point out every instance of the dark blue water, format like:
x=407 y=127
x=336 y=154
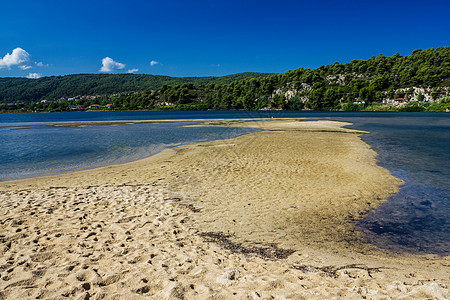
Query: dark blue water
x=413 y=146
x=415 y=149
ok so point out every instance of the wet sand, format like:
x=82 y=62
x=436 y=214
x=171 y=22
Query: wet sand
x=265 y=215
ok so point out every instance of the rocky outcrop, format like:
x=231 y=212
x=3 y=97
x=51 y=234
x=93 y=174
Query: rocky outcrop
x=290 y=90
x=336 y=79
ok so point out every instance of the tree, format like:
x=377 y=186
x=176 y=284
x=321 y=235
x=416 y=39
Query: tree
x=367 y=94
x=262 y=102
x=399 y=94
x=295 y=103
x=435 y=93
x=315 y=100
x=350 y=106
x=278 y=101
x=420 y=97
x=331 y=98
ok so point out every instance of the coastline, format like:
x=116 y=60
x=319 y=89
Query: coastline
x=299 y=186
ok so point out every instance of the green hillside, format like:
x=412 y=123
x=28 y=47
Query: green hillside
x=416 y=82
x=54 y=87
x=360 y=84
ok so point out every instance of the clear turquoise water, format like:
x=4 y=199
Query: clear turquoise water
x=28 y=150
x=413 y=146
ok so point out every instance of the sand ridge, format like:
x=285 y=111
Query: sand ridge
x=192 y=222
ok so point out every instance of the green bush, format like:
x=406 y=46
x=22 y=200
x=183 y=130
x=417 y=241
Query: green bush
x=445 y=100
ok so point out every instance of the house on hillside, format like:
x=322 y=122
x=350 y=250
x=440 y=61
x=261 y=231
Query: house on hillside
x=109 y=106
x=95 y=106
x=396 y=100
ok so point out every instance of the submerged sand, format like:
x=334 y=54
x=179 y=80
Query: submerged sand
x=265 y=215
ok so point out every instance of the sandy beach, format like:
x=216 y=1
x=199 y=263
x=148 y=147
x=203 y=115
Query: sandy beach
x=268 y=215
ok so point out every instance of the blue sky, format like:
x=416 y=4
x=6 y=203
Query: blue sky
x=209 y=37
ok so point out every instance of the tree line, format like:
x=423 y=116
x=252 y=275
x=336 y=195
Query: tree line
x=56 y=87
x=332 y=87
x=359 y=84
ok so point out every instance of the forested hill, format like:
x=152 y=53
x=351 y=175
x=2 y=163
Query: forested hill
x=423 y=76
x=54 y=87
x=419 y=81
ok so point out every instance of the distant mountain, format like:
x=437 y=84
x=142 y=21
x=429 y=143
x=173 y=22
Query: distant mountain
x=54 y=87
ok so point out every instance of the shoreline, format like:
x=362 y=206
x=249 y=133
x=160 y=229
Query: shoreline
x=63 y=169
x=297 y=186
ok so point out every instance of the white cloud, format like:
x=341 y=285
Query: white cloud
x=18 y=57
x=25 y=67
x=153 y=63
x=109 y=65
x=34 y=75
x=131 y=71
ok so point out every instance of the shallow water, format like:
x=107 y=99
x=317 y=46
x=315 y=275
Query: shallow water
x=413 y=146
x=27 y=151
x=416 y=150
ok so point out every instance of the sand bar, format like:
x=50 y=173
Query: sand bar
x=265 y=215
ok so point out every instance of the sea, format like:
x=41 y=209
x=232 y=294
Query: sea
x=412 y=146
